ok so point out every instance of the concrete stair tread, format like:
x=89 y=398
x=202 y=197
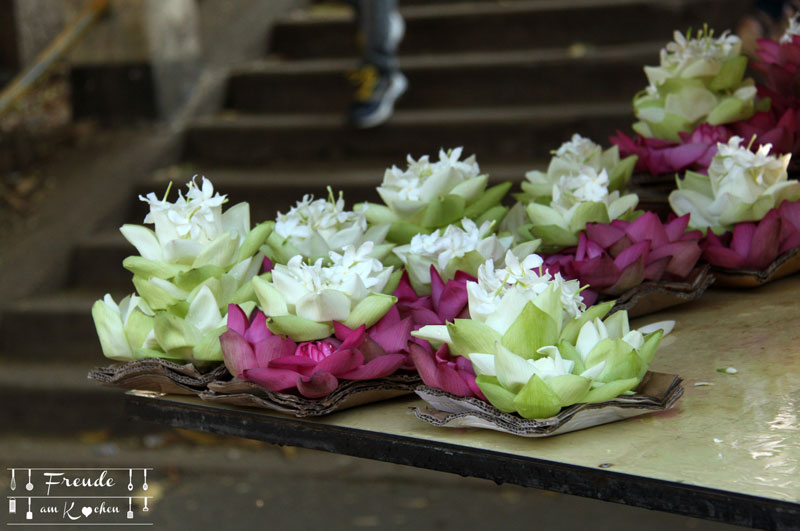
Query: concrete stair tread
x=53 y=376
x=415 y=118
x=633 y=52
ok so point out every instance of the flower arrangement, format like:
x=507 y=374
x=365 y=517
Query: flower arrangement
x=699 y=80
x=196 y=261
x=613 y=258
x=533 y=345
x=657 y=156
x=570 y=159
x=450 y=250
x=313 y=228
x=432 y=195
x=576 y=199
x=740 y=186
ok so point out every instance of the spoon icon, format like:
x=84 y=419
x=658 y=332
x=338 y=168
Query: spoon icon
x=29 y=486
x=130 y=479
x=13 y=480
x=144 y=485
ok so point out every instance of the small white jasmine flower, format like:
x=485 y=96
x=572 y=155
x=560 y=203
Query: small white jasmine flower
x=792 y=30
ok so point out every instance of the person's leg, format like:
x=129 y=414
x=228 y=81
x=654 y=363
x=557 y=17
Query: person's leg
x=381 y=25
x=379 y=81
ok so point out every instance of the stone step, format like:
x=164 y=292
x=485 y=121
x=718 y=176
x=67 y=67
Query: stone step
x=97 y=262
x=524 y=77
x=56 y=327
x=32 y=394
x=484 y=26
x=507 y=134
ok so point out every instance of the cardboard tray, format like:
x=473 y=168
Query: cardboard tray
x=656 y=392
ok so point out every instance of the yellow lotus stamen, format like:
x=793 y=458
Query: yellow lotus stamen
x=752 y=140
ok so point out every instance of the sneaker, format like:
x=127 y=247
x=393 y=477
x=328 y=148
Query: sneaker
x=375 y=96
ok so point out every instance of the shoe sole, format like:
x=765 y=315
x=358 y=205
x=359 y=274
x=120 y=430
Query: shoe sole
x=386 y=108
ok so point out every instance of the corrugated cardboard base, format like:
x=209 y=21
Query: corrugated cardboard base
x=158 y=375
x=350 y=393
x=656 y=392
x=650 y=297
x=784 y=265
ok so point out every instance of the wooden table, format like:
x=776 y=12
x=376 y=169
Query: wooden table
x=728 y=452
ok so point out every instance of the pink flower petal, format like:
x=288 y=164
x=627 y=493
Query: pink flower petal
x=647 y=227
x=394 y=338
x=319 y=385
x=371 y=350
x=237 y=353
x=341 y=361
x=267 y=265
x=630 y=277
x=452 y=301
x=676 y=228
x=683 y=254
x=655 y=269
x=354 y=339
x=273 y=379
x=404 y=292
x=423 y=317
x=258 y=330
x=764 y=249
x=237 y=320
x=451 y=381
x=635 y=252
x=425 y=365
x=604 y=234
x=295 y=363
x=599 y=272
x=380 y=367
x=437 y=287
x=720 y=256
x=743 y=238
x=272 y=348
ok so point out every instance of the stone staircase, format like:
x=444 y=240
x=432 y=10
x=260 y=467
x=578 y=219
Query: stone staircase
x=509 y=80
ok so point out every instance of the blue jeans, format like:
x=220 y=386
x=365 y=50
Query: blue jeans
x=374 y=20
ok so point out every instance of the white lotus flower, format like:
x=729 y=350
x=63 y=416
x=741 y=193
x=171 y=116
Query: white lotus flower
x=577 y=199
x=693 y=57
x=124 y=328
x=347 y=290
x=740 y=186
x=313 y=228
x=409 y=191
x=452 y=249
x=500 y=294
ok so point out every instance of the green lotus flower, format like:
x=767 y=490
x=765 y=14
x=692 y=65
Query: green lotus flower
x=428 y=196
x=740 y=186
x=535 y=348
x=313 y=228
x=577 y=199
x=570 y=159
x=198 y=260
x=698 y=80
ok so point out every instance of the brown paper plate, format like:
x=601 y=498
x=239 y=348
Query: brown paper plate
x=650 y=297
x=784 y=265
x=158 y=375
x=350 y=393
x=656 y=392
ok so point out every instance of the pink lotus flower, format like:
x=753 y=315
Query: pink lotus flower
x=447 y=301
x=756 y=245
x=613 y=258
x=440 y=370
x=770 y=127
x=656 y=156
x=779 y=68
x=253 y=353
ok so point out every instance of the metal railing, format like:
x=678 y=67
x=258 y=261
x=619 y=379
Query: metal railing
x=56 y=50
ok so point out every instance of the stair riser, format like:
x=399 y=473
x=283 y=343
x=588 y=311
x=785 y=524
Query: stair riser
x=30 y=410
x=552 y=83
x=514 y=29
x=507 y=142
x=31 y=336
